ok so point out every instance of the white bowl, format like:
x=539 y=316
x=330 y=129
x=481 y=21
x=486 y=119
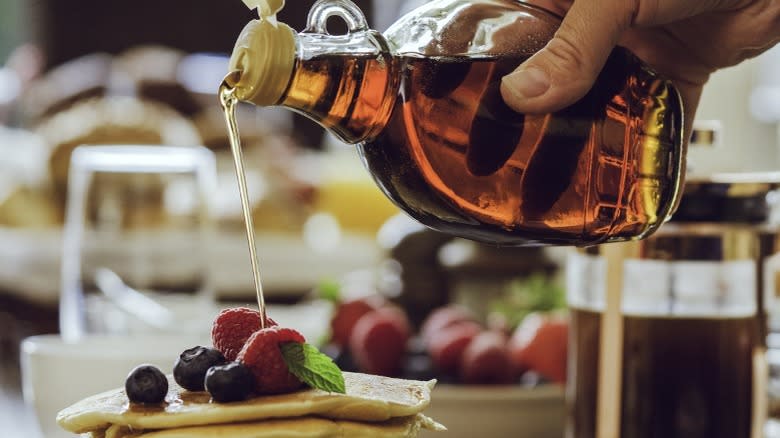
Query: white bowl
x=510 y=411
x=56 y=374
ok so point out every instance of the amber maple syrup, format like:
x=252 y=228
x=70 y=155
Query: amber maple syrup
x=229 y=102
x=683 y=375
x=450 y=152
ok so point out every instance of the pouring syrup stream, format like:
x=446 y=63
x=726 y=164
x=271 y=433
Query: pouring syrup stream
x=228 y=101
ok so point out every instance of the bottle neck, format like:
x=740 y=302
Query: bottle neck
x=346 y=83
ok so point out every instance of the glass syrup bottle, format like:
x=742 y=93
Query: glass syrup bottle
x=421 y=103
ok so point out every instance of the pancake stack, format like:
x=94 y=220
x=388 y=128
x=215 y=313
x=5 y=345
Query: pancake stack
x=373 y=406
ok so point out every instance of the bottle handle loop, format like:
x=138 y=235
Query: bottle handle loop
x=344 y=9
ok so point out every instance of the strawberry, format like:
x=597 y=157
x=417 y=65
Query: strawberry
x=486 y=360
x=261 y=354
x=232 y=327
x=540 y=344
x=378 y=343
x=442 y=318
x=446 y=346
x=347 y=315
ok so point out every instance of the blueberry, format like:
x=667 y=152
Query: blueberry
x=191 y=366
x=146 y=384
x=229 y=382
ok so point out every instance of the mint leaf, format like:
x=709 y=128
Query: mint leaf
x=312 y=367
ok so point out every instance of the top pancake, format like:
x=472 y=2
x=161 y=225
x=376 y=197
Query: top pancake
x=368 y=398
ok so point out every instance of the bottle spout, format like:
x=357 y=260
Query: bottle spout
x=232 y=79
x=263 y=57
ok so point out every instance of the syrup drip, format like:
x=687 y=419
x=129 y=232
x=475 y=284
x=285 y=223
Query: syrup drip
x=228 y=101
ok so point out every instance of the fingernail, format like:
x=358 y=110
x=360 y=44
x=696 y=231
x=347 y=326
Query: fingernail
x=528 y=82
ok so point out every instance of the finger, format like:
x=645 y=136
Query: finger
x=555 y=6
x=660 y=48
x=566 y=68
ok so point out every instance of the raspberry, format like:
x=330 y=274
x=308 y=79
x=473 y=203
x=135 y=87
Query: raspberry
x=540 y=344
x=232 y=327
x=486 y=360
x=261 y=354
x=442 y=318
x=347 y=315
x=446 y=346
x=378 y=344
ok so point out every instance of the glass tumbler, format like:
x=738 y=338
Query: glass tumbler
x=137 y=229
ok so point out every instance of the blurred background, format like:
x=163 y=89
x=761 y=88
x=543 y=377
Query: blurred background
x=146 y=72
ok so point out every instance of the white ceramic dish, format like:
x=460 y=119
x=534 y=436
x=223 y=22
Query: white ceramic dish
x=56 y=374
x=498 y=411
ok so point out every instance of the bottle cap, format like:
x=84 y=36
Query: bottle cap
x=265 y=8
x=264 y=56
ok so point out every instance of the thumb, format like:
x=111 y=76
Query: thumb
x=565 y=69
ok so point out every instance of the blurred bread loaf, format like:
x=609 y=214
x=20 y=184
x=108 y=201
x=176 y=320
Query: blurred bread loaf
x=151 y=73
x=65 y=85
x=111 y=120
x=115 y=120
x=137 y=97
x=26 y=198
x=210 y=122
x=29 y=207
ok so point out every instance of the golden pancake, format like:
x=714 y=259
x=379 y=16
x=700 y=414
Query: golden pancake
x=303 y=427
x=116 y=431
x=368 y=398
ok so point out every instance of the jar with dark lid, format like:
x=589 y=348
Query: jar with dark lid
x=694 y=302
x=729 y=198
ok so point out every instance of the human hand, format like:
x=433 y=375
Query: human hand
x=683 y=40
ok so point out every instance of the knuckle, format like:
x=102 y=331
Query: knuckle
x=567 y=56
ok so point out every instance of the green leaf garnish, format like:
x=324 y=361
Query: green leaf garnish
x=329 y=290
x=537 y=293
x=313 y=367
